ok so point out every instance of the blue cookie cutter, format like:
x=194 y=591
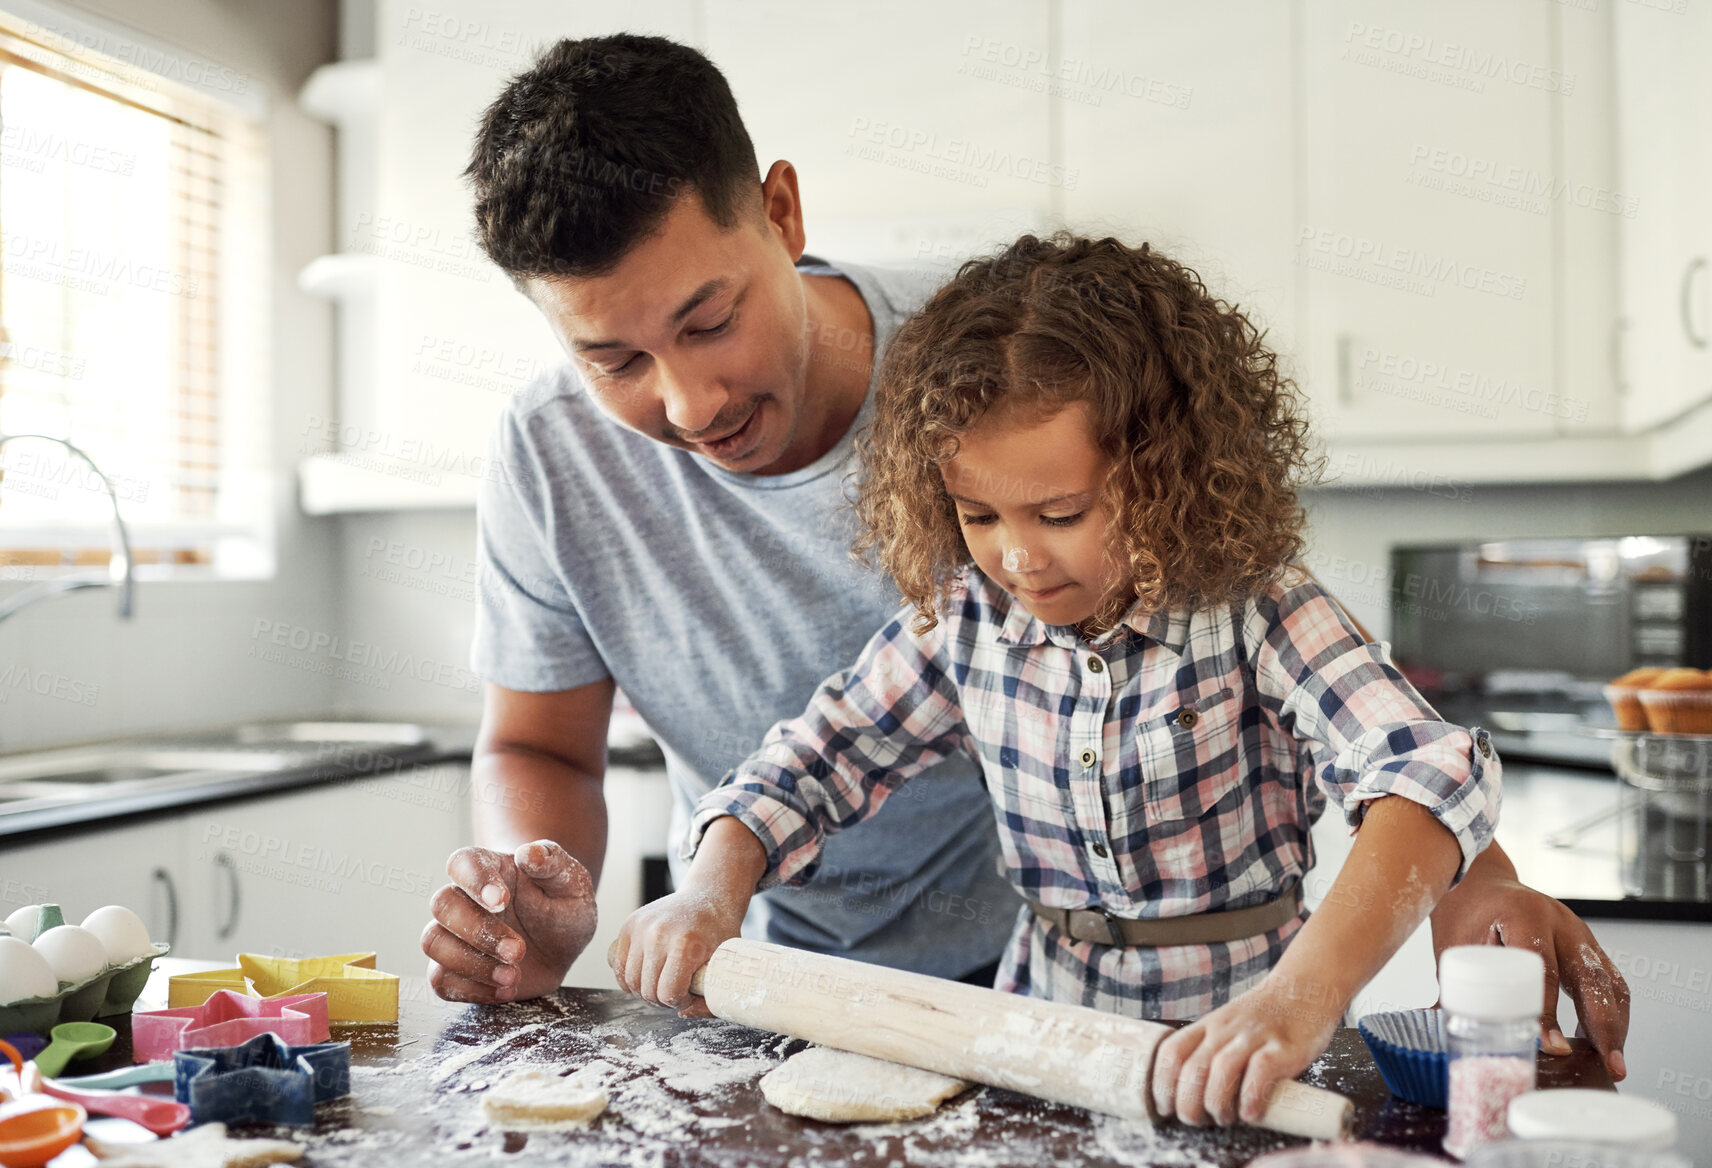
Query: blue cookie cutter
x=263 y=1080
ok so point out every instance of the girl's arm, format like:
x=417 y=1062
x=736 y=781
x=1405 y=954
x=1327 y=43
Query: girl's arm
x=865 y=733
x=1227 y=1063
x=1423 y=795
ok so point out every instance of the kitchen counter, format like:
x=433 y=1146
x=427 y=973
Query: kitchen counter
x=683 y=1092
x=1542 y=800
x=109 y=803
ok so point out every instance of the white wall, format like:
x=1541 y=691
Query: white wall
x=185 y=659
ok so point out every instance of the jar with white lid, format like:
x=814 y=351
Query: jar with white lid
x=1491 y=995
x=1593 y=1117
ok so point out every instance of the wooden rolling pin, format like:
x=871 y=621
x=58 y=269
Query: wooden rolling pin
x=1068 y=1054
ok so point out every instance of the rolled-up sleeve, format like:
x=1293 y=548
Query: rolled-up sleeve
x=866 y=732
x=1370 y=733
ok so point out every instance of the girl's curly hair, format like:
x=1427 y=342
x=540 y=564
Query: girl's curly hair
x=1206 y=439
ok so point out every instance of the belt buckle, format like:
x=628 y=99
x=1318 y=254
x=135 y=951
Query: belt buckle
x=1111 y=923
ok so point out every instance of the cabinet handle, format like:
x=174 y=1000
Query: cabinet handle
x=164 y=878
x=1695 y=267
x=224 y=860
x=1619 y=375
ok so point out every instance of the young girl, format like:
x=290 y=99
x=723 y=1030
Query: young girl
x=1081 y=474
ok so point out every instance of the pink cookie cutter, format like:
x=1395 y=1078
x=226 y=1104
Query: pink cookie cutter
x=227 y=1019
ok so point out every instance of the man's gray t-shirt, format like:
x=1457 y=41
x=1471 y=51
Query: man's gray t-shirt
x=718 y=602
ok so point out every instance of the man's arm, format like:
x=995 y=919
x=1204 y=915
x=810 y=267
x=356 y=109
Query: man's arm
x=520 y=907
x=1492 y=907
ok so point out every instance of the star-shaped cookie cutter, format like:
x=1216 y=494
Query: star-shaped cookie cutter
x=264 y=1080
x=227 y=1019
x=356 y=991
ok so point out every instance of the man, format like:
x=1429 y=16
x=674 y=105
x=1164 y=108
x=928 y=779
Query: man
x=671 y=523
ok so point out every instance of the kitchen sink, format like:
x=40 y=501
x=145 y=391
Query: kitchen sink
x=228 y=759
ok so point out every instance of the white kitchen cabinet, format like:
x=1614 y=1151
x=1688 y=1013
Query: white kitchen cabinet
x=1178 y=122
x=338 y=867
x=1669 y=1048
x=1425 y=241
x=1664 y=149
x=908 y=148
x=141 y=865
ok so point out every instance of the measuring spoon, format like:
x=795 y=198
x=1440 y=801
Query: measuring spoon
x=123 y=1077
x=161 y=1116
x=74 y=1040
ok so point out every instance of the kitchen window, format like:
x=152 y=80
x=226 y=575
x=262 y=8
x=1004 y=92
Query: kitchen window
x=133 y=285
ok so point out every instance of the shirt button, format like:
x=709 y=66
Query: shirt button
x=1187 y=719
x=1100 y=851
x=1095 y=665
x=1485 y=747
x=1089 y=758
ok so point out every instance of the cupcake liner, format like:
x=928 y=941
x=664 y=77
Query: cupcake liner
x=1677 y=711
x=1410 y=1049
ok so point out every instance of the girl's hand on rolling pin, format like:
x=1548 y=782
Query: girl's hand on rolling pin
x=663 y=944
x=1240 y=1051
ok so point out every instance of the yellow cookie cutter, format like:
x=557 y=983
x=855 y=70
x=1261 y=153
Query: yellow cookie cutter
x=356 y=991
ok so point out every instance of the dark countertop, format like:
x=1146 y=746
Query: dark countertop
x=1587 y=874
x=1539 y=800
x=684 y=1092
x=338 y=761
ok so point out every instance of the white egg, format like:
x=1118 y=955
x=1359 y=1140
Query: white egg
x=75 y=953
x=23 y=922
x=122 y=933
x=24 y=973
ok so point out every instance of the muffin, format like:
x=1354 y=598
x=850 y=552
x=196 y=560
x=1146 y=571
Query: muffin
x=1624 y=696
x=1679 y=701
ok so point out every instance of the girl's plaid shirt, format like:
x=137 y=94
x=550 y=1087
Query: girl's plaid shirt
x=1172 y=767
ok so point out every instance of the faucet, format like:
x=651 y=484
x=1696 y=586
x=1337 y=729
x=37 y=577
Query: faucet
x=119 y=573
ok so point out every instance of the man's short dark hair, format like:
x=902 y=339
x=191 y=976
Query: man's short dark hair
x=583 y=154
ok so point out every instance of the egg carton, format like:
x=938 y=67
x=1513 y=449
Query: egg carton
x=112 y=991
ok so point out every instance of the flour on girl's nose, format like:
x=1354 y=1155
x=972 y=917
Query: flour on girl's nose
x=1016 y=559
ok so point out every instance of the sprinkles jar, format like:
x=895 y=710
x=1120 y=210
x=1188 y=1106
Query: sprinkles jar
x=1491 y=996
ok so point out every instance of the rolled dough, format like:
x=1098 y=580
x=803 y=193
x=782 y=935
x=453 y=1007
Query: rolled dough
x=840 y=1087
x=533 y=1097
x=207 y=1146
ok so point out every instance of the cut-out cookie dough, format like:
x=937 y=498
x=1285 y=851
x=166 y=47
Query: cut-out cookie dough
x=839 y=1087
x=537 y=1098
x=201 y=1147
